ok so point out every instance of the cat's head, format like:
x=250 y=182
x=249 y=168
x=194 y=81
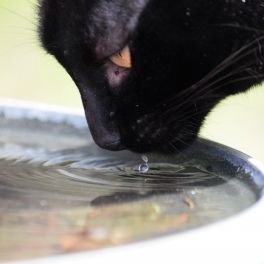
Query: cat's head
x=149 y=71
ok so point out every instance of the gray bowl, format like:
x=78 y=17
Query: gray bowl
x=64 y=195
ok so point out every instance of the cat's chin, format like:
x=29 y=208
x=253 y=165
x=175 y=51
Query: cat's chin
x=167 y=147
x=142 y=147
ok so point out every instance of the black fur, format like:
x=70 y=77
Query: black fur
x=187 y=56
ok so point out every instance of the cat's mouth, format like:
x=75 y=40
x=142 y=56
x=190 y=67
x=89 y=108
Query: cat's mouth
x=146 y=134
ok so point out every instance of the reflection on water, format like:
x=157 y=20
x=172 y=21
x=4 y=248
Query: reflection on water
x=59 y=193
x=65 y=202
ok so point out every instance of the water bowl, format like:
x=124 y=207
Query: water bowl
x=64 y=200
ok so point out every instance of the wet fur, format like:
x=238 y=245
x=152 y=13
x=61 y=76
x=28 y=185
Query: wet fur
x=187 y=56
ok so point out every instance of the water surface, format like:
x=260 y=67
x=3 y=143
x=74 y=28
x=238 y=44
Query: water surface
x=60 y=193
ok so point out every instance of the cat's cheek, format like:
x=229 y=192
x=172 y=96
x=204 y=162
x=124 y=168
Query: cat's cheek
x=116 y=75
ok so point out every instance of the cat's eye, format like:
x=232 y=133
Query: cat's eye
x=122 y=58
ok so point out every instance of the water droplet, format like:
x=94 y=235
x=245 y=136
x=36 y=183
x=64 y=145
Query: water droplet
x=43 y=203
x=145 y=158
x=143 y=168
x=193 y=192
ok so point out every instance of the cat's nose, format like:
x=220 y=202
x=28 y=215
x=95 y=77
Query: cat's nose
x=99 y=112
x=110 y=142
x=105 y=134
x=105 y=137
x=103 y=128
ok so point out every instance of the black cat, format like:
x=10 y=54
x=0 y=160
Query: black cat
x=149 y=71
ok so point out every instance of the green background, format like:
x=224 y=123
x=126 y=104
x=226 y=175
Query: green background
x=28 y=73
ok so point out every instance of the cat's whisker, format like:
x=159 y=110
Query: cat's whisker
x=186 y=117
x=34 y=23
x=207 y=95
x=178 y=151
x=209 y=85
x=18 y=30
x=175 y=148
x=178 y=139
x=225 y=84
x=34 y=4
x=27 y=47
x=224 y=65
x=181 y=114
x=253 y=73
x=200 y=95
x=239 y=70
x=243 y=27
x=188 y=132
x=234 y=80
x=191 y=125
x=234 y=57
x=183 y=111
x=185 y=114
x=211 y=75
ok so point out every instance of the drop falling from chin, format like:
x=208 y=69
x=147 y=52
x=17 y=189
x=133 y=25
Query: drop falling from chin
x=144 y=168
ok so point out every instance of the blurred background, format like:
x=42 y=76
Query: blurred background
x=28 y=73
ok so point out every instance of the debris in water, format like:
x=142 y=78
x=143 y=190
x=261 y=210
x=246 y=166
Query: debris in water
x=189 y=203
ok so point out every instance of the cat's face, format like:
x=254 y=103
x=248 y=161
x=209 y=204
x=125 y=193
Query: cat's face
x=149 y=71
